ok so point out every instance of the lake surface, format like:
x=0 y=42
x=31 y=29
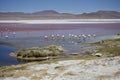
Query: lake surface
x=5 y=59
x=15 y=36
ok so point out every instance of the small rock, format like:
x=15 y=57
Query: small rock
x=60 y=48
x=98 y=54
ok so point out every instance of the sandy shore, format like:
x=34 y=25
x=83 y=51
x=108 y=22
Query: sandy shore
x=63 y=21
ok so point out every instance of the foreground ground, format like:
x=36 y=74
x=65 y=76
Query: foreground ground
x=95 y=69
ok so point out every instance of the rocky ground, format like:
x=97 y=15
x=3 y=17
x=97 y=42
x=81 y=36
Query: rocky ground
x=94 y=69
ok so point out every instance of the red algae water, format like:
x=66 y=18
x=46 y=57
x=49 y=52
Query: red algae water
x=63 y=29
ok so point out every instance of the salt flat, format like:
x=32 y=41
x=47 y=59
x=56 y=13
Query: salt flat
x=63 y=21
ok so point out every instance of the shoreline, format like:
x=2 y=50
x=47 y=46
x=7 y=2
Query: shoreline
x=63 y=21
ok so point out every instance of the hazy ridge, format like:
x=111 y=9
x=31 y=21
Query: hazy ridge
x=51 y=14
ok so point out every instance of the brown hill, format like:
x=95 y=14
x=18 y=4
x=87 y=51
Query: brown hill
x=51 y=14
x=101 y=15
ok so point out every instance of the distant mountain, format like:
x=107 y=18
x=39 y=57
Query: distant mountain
x=51 y=14
x=101 y=15
x=46 y=12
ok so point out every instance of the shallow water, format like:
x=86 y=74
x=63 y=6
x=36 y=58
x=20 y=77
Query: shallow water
x=29 y=35
x=5 y=59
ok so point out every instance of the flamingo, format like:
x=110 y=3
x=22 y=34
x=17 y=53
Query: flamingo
x=58 y=35
x=94 y=35
x=63 y=36
x=1 y=33
x=52 y=36
x=14 y=33
x=75 y=36
x=6 y=36
x=89 y=35
x=79 y=36
x=45 y=37
x=84 y=37
x=69 y=35
x=72 y=35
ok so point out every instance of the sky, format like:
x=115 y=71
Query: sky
x=63 y=6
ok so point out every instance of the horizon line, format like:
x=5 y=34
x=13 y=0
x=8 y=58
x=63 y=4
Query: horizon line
x=54 y=10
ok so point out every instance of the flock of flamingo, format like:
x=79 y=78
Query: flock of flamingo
x=7 y=34
x=70 y=36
